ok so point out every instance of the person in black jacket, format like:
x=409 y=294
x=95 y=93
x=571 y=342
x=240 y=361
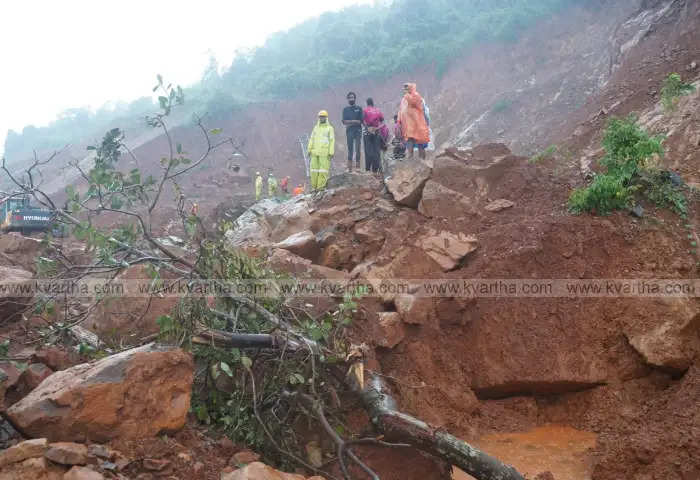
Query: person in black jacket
x=352 y=119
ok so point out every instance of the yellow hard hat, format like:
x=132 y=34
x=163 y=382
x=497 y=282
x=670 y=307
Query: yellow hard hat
x=323 y=113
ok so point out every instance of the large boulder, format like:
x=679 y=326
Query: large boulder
x=267 y=222
x=447 y=248
x=459 y=189
x=18 y=294
x=134 y=394
x=407 y=181
x=303 y=244
x=132 y=312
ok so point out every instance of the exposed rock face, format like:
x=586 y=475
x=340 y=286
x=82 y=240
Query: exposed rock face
x=34 y=375
x=407 y=181
x=82 y=473
x=126 y=315
x=675 y=342
x=134 y=394
x=415 y=310
x=260 y=471
x=12 y=304
x=438 y=201
x=446 y=248
x=34 y=469
x=391 y=330
x=287 y=262
x=303 y=244
x=20 y=251
x=498 y=205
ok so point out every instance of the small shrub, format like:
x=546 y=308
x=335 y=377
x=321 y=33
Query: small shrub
x=660 y=190
x=605 y=194
x=672 y=90
x=630 y=161
x=546 y=153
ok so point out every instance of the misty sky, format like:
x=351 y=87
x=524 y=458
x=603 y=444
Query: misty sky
x=58 y=54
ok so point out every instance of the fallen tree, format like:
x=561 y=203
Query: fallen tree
x=392 y=424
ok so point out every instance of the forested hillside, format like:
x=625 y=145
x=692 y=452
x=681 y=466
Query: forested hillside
x=357 y=42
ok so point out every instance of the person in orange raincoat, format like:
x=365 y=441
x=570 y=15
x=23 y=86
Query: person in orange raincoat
x=299 y=190
x=414 y=126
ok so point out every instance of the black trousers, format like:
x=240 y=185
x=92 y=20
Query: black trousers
x=372 y=153
x=354 y=136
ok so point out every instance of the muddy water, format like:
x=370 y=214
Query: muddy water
x=562 y=450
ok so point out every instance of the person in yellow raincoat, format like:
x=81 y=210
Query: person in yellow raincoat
x=321 y=149
x=258 y=186
x=271 y=186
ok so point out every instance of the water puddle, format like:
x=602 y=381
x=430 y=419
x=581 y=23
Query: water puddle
x=562 y=450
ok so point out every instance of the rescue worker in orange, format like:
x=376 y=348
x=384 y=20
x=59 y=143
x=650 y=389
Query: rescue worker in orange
x=284 y=185
x=298 y=190
x=414 y=127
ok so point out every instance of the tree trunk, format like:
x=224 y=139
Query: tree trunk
x=395 y=425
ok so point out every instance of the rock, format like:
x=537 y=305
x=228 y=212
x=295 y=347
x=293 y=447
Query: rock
x=407 y=181
x=131 y=313
x=675 y=342
x=243 y=458
x=303 y=244
x=415 y=310
x=637 y=211
x=9 y=374
x=446 y=248
x=259 y=471
x=67 y=453
x=34 y=469
x=353 y=179
x=13 y=303
x=439 y=201
x=56 y=358
x=101 y=451
x=82 y=473
x=134 y=394
x=155 y=465
x=498 y=205
x=28 y=449
x=391 y=330
x=34 y=375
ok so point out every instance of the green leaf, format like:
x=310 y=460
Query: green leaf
x=215 y=131
x=116 y=202
x=246 y=361
x=226 y=369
